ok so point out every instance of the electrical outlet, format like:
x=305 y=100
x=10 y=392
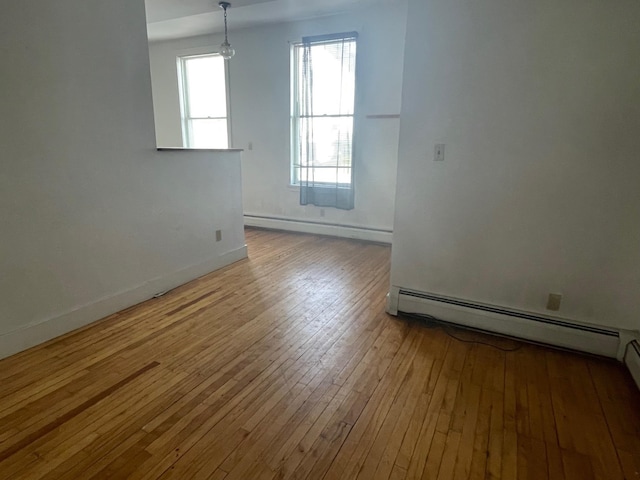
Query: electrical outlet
x=553 y=302
x=438 y=154
x=218 y=235
x=322 y=212
x=250 y=146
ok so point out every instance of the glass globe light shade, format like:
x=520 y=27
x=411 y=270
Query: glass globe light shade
x=226 y=50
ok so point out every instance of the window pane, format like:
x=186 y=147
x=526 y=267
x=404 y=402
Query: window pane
x=323 y=111
x=341 y=176
x=208 y=133
x=326 y=141
x=205 y=83
x=333 y=72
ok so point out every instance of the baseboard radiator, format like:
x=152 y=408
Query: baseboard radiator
x=319 y=228
x=528 y=326
x=632 y=360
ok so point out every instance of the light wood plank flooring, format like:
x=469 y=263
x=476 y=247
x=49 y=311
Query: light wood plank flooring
x=286 y=366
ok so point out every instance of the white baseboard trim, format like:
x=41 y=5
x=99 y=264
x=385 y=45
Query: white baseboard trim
x=632 y=360
x=343 y=231
x=537 y=328
x=36 y=333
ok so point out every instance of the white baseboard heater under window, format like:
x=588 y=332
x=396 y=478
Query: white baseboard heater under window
x=528 y=326
x=632 y=360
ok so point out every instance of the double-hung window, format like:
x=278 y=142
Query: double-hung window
x=322 y=119
x=203 y=95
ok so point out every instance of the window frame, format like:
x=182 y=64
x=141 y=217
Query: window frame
x=183 y=95
x=294 y=157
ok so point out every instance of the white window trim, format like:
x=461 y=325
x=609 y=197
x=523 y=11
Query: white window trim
x=295 y=109
x=184 y=99
x=294 y=114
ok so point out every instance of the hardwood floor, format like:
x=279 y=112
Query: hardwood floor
x=286 y=366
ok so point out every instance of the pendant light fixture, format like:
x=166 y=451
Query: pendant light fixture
x=226 y=50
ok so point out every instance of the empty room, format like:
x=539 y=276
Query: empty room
x=348 y=239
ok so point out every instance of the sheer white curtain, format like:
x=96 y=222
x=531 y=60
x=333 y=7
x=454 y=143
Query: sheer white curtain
x=326 y=100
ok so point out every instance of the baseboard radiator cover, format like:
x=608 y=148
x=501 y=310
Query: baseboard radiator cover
x=632 y=360
x=514 y=323
x=307 y=226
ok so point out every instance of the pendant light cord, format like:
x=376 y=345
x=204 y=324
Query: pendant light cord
x=225 y=24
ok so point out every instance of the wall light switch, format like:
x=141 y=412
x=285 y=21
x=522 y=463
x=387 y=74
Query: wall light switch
x=438 y=155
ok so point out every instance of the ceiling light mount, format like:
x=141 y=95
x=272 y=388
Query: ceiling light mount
x=226 y=50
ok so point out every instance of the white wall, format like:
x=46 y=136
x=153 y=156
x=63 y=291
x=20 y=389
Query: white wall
x=538 y=104
x=92 y=218
x=260 y=99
